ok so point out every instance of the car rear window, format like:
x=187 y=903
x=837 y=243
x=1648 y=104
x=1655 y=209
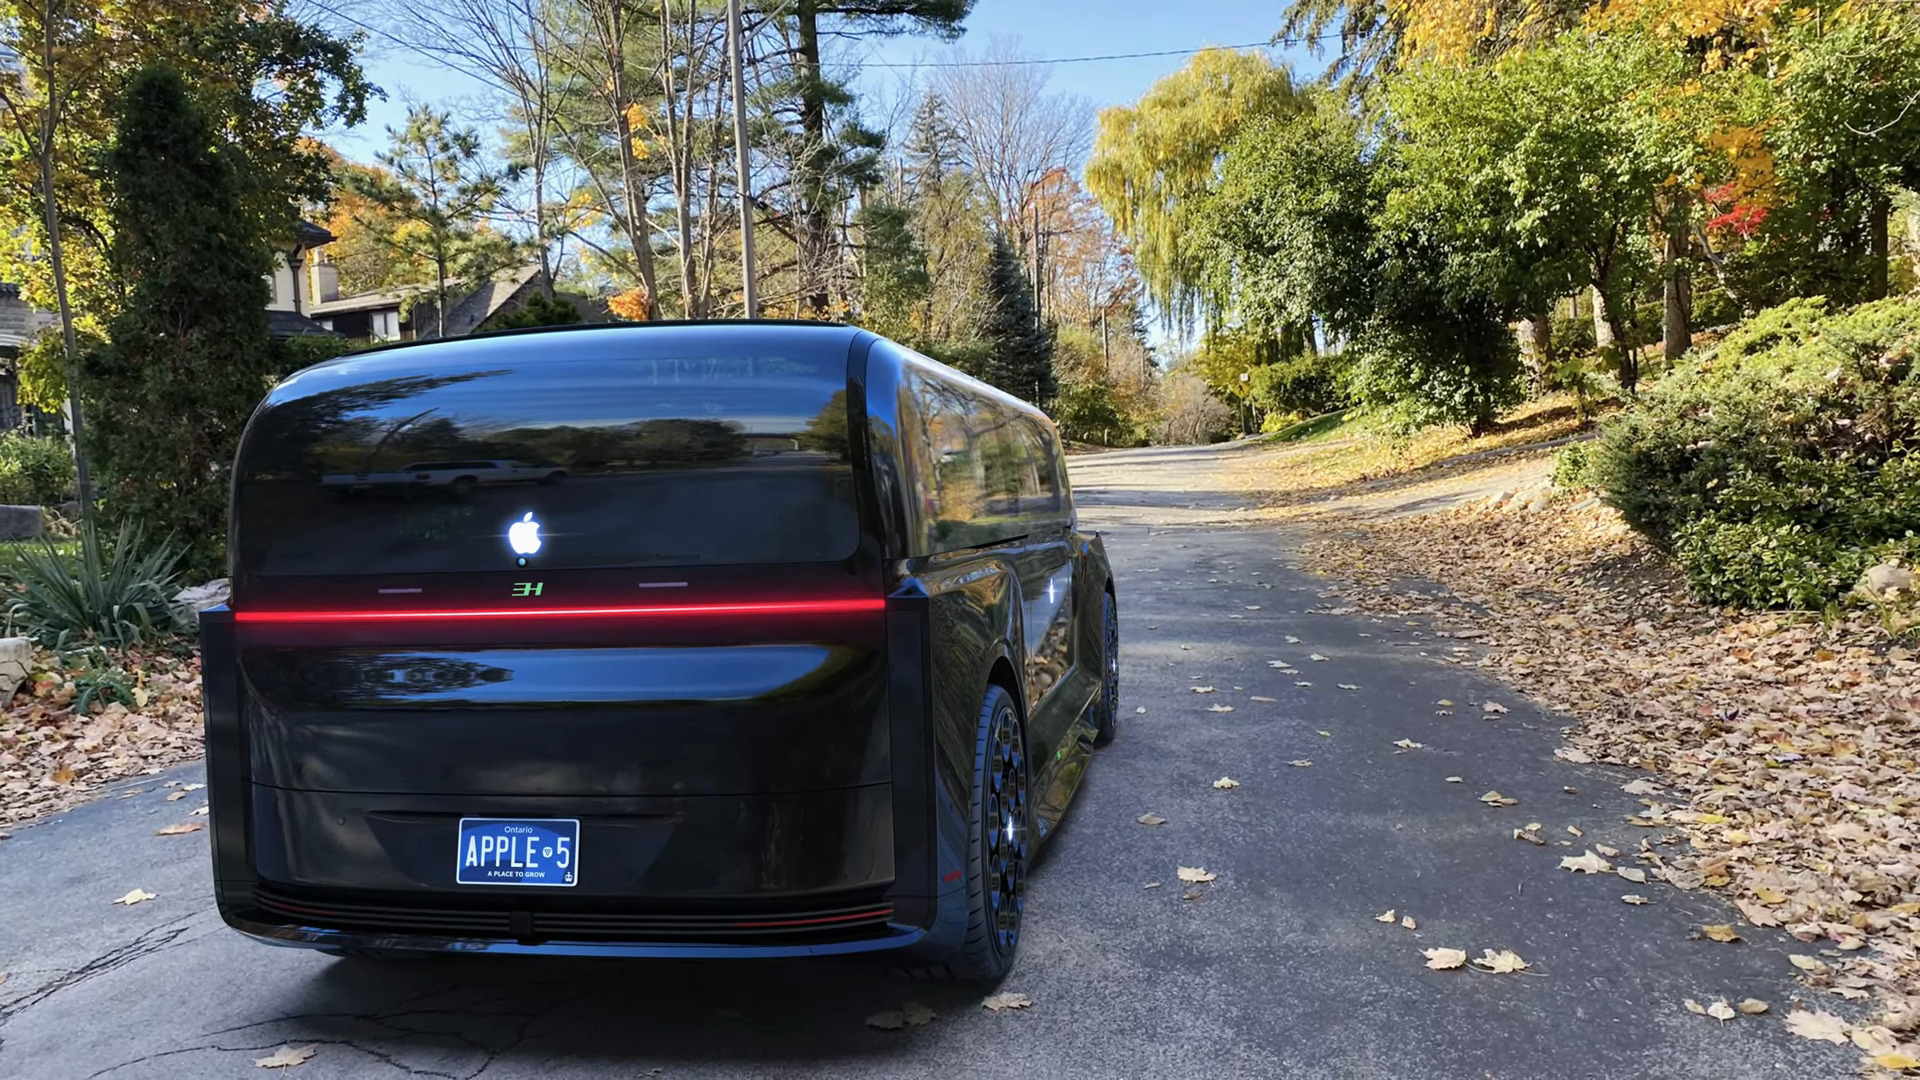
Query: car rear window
x=621 y=460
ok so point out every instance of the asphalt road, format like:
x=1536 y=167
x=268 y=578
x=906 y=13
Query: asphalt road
x=1278 y=969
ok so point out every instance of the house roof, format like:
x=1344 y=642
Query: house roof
x=373 y=301
x=308 y=235
x=292 y=324
x=481 y=304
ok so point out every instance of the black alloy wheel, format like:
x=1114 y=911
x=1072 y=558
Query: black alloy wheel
x=1108 y=723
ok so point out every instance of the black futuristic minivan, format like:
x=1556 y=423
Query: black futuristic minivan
x=792 y=647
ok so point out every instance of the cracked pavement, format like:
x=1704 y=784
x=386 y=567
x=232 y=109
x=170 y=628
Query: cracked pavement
x=1278 y=969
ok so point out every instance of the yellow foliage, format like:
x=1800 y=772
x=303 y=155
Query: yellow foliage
x=630 y=305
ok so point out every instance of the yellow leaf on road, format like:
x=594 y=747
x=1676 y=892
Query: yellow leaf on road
x=1633 y=874
x=1896 y=1059
x=1151 y=819
x=1721 y=932
x=1226 y=783
x=1203 y=689
x=180 y=829
x=1504 y=962
x=1494 y=798
x=1807 y=963
x=1821 y=1026
x=1588 y=863
x=1769 y=896
x=284 y=1058
x=1407 y=921
x=1219 y=708
x=1493 y=708
x=1389 y=915
x=1300 y=763
x=1721 y=1011
x=1006 y=999
x=1634 y=899
x=135 y=897
x=1753 y=1006
x=1409 y=744
x=1445 y=959
x=1196 y=875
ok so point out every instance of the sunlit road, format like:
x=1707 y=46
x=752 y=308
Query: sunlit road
x=1277 y=969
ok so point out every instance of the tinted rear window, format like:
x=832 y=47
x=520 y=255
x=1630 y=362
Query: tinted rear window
x=622 y=460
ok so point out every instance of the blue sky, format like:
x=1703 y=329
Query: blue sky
x=1044 y=28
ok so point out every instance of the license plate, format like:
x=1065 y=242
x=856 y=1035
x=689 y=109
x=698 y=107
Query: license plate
x=518 y=851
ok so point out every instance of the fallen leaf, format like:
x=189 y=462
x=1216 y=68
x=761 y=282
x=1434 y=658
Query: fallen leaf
x=1821 y=1026
x=1006 y=999
x=1896 y=1059
x=1407 y=921
x=1576 y=756
x=1589 y=863
x=284 y=1058
x=1529 y=837
x=1444 y=959
x=1445 y=703
x=1324 y=734
x=1575 y=830
x=1504 y=962
x=1641 y=787
x=1769 y=896
x=1195 y=875
x=1721 y=932
x=1806 y=963
x=1291 y=640
x=1693 y=1006
x=1409 y=744
x=135 y=897
x=180 y=829
x=1493 y=708
x=1721 y=1011
x=1151 y=819
x=1315 y=656
x=201 y=812
x=1347 y=686
x=1609 y=852
x=1494 y=798
x=1191 y=894
x=1281 y=664
x=1226 y=783
x=1389 y=915
x=1300 y=763
x=1219 y=708
x=1153 y=884
x=1456 y=780
x=1753 y=1006
x=1142 y=709
x=1263 y=700
x=191 y=787
x=176 y=796
x=1203 y=689
x=1303 y=683
x=1633 y=874
x=1634 y=898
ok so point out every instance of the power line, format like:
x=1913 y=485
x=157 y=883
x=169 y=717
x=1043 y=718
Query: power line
x=1034 y=61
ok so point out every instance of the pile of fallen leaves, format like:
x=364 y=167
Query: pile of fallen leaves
x=53 y=756
x=1782 y=750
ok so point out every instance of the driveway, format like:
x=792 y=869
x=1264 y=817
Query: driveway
x=1276 y=968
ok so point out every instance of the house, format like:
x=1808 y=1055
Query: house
x=407 y=313
x=20 y=325
x=300 y=277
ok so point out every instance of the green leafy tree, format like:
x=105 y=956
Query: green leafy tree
x=1019 y=352
x=440 y=188
x=188 y=356
x=539 y=310
x=895 y=285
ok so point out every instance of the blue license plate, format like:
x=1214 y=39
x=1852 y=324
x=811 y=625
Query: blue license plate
x=518 y=851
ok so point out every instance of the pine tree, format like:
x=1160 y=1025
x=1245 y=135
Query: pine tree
x=1020 y=360
x=932 y=149
x=189 y=356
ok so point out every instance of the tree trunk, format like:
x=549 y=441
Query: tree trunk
x=1677 y=287
x=639 y=229
x=815 y=228
x=56 y=256
x=1877 y=213
x=1603 y=323
x=1536 y=349
x=679 y=150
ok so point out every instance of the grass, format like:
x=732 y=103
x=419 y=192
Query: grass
x=1336 y=450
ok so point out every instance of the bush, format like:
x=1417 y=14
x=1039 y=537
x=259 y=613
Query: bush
x=1777 y=468
x=1304 y=385
x=1573 y=467
x=1573 y=334
x=112 y=596
x=1452 y=371
x=34 y=471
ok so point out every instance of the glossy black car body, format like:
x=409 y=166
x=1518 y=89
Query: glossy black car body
x=764 y=755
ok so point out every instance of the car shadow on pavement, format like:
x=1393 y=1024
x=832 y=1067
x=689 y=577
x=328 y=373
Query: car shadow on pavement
x=539 y=1010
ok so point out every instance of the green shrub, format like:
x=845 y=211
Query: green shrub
x=1573 y=334
x=1304 y=385
x=34 y=471
x=1460 y=370
x=114 y=596
x=1572 y=467
x=1713 y=307
x=1777 y=467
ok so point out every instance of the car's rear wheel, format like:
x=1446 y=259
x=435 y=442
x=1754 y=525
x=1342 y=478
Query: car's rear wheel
x=1001 y=850
x=463 y=486
x=1107 y=723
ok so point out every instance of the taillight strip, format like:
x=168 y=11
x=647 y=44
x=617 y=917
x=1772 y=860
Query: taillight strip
x=766 y=607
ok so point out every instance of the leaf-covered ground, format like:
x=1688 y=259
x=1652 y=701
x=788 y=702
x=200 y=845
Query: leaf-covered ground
x=53 y=757
x=1780 y=752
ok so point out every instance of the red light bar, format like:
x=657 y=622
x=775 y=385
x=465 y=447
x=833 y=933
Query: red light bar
x=769 y=607
x=877 y=913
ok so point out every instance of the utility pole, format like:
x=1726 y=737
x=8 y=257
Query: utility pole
x=750 y=288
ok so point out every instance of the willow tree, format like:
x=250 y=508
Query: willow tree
x=1155 y=162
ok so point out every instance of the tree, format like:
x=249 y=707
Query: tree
x=816 y=160
x=439 y=187
x=188 y=355
x=362 y=229
x=1154 y=163
x=1011 y=132
x=894 y=283
x=1019 y=356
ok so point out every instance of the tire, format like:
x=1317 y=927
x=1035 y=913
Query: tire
x=1107 y=722
x=463 y=486
x=997 y=863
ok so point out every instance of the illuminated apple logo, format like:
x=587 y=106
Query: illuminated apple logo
x=524 y=536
